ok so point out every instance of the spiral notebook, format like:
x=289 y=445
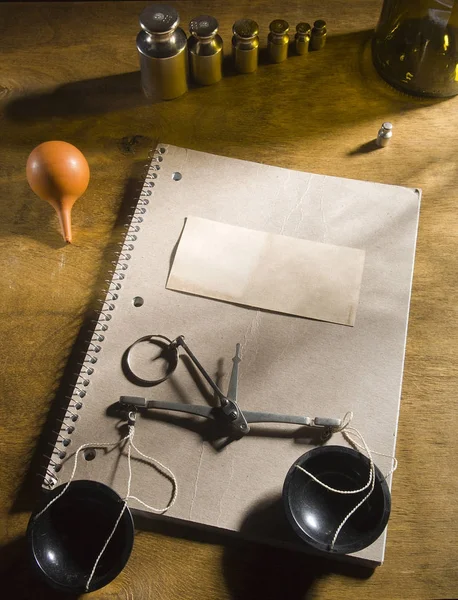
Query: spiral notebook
x=291 y=364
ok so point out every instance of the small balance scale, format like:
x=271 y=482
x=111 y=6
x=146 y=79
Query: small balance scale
x=228 y=412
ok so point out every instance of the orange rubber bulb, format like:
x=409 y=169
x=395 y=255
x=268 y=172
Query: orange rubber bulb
x=58 y=173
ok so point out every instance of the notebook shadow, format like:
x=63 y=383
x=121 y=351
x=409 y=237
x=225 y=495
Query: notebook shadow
x=271 y=572
x=29 y=486
x=255 y=570
x=250 y=570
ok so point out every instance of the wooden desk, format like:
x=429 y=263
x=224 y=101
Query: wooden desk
x=69 y=71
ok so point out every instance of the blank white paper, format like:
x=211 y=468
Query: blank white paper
x=268 y=271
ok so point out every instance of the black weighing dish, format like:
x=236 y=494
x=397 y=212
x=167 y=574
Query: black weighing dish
x=66 y=539
x=315 y=513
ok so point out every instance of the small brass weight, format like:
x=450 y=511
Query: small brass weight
x=278 y=40
x=205 y=50
x=245 y=45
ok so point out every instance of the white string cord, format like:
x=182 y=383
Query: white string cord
x=129 y=481
x=165 y=471
x=161 y=469
x=349 y=433
x=82 y=447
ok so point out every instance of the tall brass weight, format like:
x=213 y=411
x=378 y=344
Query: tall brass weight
x=162 y=51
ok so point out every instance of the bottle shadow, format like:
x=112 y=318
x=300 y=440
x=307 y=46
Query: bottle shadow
x=341 y=71
x=364 y=148
x=80 y=98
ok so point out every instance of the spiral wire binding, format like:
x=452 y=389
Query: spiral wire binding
x=94 y=344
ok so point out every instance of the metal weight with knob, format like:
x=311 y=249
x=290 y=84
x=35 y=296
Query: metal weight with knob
x=302 y=38
x=205 y=50
x=278 y=40
x=161 y=46
x=245 y=45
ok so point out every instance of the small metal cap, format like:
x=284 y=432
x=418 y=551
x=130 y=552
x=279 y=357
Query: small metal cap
x=384 y=135
x=279 y=27
x=203 y=27
x=245 y=28
x=320 y=26
x=159 y=19
x=303 y=28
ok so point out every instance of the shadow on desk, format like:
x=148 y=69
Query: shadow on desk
x=31 y=485
x=80 y=98
x=255 y=570
x=336 y=86
x=251 y=570
x=18 y=580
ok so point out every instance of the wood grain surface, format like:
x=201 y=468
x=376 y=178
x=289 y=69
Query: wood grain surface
x=69 y=72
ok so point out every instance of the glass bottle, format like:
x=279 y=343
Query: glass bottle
x=415 y=47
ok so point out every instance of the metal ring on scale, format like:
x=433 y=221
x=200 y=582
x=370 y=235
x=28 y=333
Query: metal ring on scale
x=170 y=348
